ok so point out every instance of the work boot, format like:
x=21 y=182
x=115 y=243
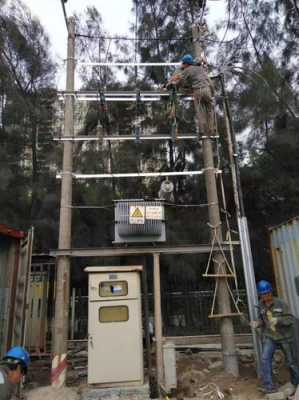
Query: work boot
x=269 y=389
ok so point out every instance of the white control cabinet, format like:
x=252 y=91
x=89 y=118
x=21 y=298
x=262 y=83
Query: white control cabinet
x=115 y=351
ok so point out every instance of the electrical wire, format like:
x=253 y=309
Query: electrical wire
x=133 y=39
x=203 y=7
x=175 y=205
x=227 y=25
x=145 y=39
x=64 y=14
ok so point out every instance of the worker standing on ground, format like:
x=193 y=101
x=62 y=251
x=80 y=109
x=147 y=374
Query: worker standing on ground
x=12 y=369
x=276 y=326
x=193 y=76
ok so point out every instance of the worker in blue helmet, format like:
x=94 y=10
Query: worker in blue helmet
x=193 y=78
x=275 y=324
x=13 y=368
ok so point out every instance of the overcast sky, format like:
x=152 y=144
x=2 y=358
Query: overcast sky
x=116 y=16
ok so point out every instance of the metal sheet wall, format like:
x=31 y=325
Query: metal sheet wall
x=4 y=289
x=284 y=240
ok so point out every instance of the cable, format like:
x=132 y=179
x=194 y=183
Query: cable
x=227 y=25
x=202 y=4
x=64 y=14
x=140 y=39
x=133 y=39
x=108 y=208
x=177 y=205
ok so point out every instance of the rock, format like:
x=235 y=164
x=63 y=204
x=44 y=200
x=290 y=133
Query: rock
x=288 y=389
x=276 y=396
x=196 y=376
x=215 y=365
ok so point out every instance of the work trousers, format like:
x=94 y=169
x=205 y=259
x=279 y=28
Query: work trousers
x=204 y=110
x=269 y=348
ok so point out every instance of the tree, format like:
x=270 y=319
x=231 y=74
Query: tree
x=27 y=74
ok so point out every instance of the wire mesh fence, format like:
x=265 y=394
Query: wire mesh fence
x=184 y=314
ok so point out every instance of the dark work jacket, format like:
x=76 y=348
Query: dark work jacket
x=6 y=388
x=283 y=330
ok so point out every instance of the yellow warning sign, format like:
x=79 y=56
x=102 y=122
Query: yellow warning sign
x=137 y=215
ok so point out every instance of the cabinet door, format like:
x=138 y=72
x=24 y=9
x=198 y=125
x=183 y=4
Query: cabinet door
x=115 y=351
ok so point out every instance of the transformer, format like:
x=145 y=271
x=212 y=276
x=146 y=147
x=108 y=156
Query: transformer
x=139 y=221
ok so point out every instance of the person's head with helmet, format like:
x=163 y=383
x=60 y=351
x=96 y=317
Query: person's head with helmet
x=265 y=292
x=187 y=60
x=16 y=360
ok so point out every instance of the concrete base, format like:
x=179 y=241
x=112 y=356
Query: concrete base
x=116 y=393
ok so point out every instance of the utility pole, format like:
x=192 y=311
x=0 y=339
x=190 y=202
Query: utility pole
x=230 y=360
x=158 y=321
x=242 y=224
x=61 y=321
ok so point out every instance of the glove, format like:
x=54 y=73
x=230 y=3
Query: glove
x=273 y=323
x=255 y=324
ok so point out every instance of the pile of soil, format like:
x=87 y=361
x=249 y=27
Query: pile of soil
x=48 y=393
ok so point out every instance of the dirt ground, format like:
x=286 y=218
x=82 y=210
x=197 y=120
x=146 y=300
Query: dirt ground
x=199 y=378
x=203 y=378
x=47 y=393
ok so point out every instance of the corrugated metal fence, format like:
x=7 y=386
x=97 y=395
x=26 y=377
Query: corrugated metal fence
x=284 y=241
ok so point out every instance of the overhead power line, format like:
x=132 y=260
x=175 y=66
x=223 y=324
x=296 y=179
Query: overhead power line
x=64 y=13
x=147 y=39
x=133 y=39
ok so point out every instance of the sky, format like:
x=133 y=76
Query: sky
x=116 y=15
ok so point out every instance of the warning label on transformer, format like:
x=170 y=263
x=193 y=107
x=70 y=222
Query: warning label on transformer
x=154 y=213
x=137 y=215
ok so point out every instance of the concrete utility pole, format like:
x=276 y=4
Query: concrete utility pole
x=158 y=321
x=223 y=297
x=60 y=333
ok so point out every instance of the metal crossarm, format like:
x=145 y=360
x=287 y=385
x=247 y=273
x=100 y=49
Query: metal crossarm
x=120 y=95
x=136 y=174
x=129 y=64
x=121 y=138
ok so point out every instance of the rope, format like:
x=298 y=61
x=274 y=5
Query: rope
x=215 y=240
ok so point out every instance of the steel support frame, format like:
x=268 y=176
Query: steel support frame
x=126 y=251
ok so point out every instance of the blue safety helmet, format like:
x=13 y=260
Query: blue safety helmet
x=18 y=355
x=264 y=287
x=187 y=59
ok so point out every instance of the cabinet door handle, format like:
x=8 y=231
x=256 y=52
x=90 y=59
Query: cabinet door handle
x=90 y=340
